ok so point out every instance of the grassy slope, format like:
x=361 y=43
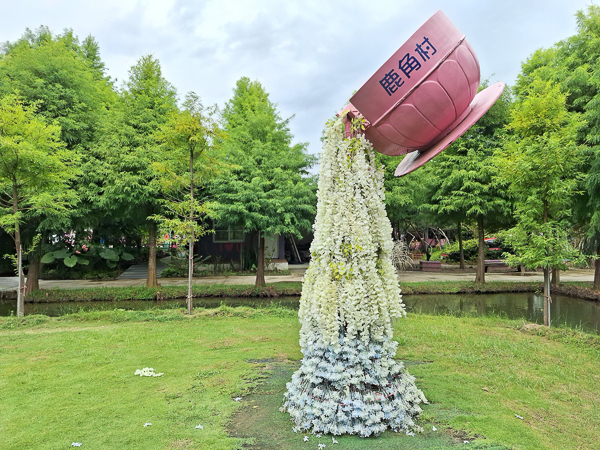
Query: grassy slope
x=71 y=378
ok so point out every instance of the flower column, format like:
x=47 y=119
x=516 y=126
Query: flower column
x=349 y=382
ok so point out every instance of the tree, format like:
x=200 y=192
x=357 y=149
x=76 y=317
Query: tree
x=539 y=163
x=188 y=139
x=405 y=197
x=574 y=64
x=468 y=188
x=34 y=172
x=65 y=82
x=119 y=175
x=269 y=191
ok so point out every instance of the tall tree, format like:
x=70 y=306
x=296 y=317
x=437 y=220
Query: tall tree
x=65 y=81
x=269 y=192
x=405 y=197
x=120 y=178
x=468 y=189
x=539 y=163
x=574 y=64
x=34 y=172
x=188 y=137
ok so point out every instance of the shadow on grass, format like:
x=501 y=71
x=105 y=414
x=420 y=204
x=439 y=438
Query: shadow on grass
x=262 y=426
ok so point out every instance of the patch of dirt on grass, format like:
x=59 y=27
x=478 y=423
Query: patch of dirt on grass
x=535 y=327
x=181 y=443
x=460 y=436
x=262 y=426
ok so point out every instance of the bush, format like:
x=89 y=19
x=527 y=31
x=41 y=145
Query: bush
x=470 y=249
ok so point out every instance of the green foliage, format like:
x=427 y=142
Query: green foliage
x=119 y=176
x=467 y=187
x=188 y=139
x=405 y=196
x=35 y=167
x=164 y=293
x=539 y=164
x=268 y=189
x=62 y=77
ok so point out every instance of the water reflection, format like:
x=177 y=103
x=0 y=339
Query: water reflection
x=568 y=311
x=573 y=312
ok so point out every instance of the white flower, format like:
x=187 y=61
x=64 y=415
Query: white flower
x=147 y=424
x=147 y=372
x=199 y=427
x=410 y=433
x=465 y=442
x=305 y=438
x=434 y=428
x=237 y=399
x=321 y=446
x=334 y=441
x=76 y=444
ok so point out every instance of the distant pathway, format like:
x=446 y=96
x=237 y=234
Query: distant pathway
x=140 y=271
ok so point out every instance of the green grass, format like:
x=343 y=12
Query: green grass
x=70 y=379
x=164 y=292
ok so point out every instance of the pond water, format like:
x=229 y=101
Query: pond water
x=573 y=312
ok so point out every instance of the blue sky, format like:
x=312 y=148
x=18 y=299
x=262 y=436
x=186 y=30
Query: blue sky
x=309 y=55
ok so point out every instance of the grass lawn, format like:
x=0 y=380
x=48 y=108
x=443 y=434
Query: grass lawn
x=71 y=379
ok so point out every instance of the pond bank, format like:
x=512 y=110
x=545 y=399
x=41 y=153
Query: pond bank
x=294 y=288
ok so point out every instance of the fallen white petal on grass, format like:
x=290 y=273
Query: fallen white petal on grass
x=434 y=428
x=147 y=424
x=334 y=441
x=305 y=438
x=76 y=444
x=321 y=446
x=410 y=433
x=199 y=427
x=147 y=372
x=518 y=416
x=237 y=399
x=465 y=442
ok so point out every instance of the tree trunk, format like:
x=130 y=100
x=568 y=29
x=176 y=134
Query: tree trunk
x=461 y=250
x=546 y=276
x=152 y=281
x=33 y=274
x=597 y=268
x=20 y=296
x=260 y=264
x=480 y=277
x=191 y=249
x=555 y=277
x=546 y=296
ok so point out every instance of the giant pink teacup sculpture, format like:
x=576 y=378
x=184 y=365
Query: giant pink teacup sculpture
x=425 y=96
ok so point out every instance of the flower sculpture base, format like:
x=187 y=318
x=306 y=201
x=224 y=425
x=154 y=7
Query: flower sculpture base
x=349 y=382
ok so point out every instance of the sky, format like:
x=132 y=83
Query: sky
x=309 y=55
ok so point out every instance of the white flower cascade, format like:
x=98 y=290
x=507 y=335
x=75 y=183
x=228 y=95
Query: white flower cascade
x=351 y=280
x=349 y=382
